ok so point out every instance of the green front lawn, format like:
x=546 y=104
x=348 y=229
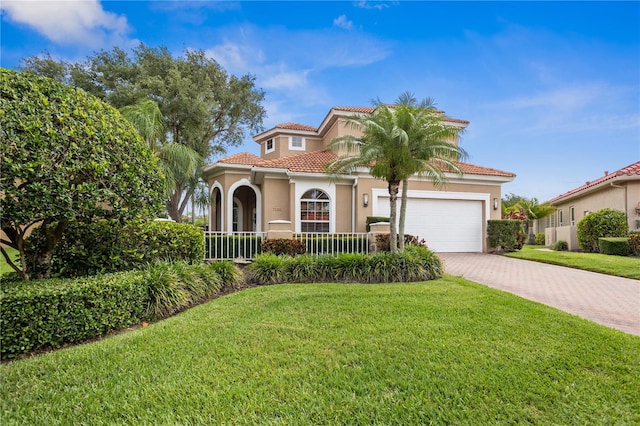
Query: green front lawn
x=628 y=267
x=4 y=266
x=447 y=351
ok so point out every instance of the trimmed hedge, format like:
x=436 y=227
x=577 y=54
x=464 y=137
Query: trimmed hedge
x=47 y=314
x=51 y=313
x=106 y=246
x=415 y=263
x=614 y=246
x=383 y=241
x=506 y=235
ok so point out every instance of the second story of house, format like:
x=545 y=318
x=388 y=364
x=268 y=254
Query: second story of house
x=292 y=138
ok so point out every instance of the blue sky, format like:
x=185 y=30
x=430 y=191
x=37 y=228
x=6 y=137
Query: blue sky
x=552 y=89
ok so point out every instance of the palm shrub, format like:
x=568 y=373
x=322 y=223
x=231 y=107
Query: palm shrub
x=603 y=223
x=634 y=242
x=230 y=275
x=268 y=268
x=540 y=238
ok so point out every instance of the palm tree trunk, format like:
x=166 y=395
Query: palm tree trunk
x=403 y=214
x=393 y=201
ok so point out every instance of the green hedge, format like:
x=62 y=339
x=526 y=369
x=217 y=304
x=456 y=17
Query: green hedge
x=634 y=242
x=106 y=246
x=51 y=313
x=415 y=263
x=615 y=246
x=47 y=314
x=506 y=235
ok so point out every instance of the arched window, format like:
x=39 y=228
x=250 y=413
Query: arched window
x=314 y=211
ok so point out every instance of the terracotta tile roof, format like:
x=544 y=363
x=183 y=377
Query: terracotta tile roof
x=296 y=126
x=630 y=170
x=308 y=162
x=472 y=169
x=370 y=110
x=242 y=158
x=313 y=162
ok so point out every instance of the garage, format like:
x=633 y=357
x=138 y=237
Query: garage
x=447 y=225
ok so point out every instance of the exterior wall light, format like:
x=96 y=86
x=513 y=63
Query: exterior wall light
x=495 y=204
x=365 y=199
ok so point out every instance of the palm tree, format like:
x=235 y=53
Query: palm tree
x=397 y=142
x=533 y=211
x=382 y=148
x=181 y=164
x=429 y=140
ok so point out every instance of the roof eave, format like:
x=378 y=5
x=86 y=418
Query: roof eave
x=596 y=187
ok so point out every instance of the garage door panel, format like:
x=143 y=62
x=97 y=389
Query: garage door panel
x=446 y=225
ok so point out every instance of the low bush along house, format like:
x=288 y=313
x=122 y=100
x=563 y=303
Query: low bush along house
x=619 y=190
x=287 y=185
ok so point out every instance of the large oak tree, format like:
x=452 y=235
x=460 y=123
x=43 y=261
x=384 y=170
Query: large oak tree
x=203 y=107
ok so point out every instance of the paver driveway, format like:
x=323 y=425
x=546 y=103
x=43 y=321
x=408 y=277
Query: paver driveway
x=605 y=299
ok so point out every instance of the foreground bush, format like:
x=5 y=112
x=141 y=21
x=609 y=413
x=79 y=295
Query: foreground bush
x=106 y=246
x=51 y=313
x=415 y=263
x=286 y=246
x=634 y=243
x=603 y=223
x=505 y=235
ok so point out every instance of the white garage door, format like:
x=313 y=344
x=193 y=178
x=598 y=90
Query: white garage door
x=446 y=225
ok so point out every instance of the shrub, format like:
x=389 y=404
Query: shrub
x=603 y=223
x=634 y=243
x=106 y=246
x=175 y=286
x=73 y=155
x=540 y=239
x=415 y=263
x=50 y=313
x=506 y=235
x=614 y=246
x=283 y=246
x=561 y=246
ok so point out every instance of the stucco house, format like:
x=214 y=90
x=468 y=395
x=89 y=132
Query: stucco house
x=619 y=190
x=286 y=186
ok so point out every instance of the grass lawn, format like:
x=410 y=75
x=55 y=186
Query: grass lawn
x=4 y=267
x=442 y=352
x=628 y=267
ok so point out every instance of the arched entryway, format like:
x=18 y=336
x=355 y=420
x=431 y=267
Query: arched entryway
x=216 y=209
x=243 y=209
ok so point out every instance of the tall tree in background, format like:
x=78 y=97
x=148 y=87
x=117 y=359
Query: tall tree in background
x=202 y=106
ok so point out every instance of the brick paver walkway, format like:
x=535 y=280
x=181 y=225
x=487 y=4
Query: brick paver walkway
x=605 y=299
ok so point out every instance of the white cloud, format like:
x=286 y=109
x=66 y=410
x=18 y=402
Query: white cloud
x=342 y=22
x=68 y=22
x=375 y=4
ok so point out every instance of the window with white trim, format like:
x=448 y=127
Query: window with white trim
x=296 y=143
x=314 y=211
x=269 y=146
x=572 y=215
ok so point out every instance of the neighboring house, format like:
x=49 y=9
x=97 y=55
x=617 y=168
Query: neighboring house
x=287 y=186
x=619 y=190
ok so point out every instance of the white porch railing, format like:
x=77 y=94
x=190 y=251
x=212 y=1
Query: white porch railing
x=226 y=246
x=334 y=244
